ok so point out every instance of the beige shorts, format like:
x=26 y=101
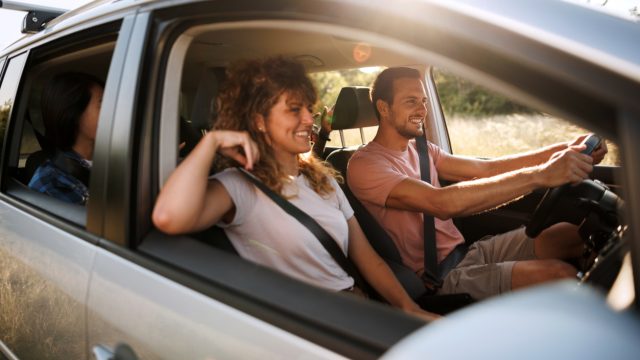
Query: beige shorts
x=486 y=269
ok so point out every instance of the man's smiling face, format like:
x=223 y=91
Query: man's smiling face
x=408 y=109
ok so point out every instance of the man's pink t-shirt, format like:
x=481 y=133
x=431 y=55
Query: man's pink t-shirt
x=373 y=172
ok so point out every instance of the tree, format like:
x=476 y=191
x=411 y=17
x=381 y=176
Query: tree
x=462 y=97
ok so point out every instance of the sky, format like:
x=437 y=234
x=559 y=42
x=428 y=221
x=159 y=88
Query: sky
x=11 y=21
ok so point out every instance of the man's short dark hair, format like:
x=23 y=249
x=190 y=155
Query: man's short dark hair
x=383 y=86
x=64 y=99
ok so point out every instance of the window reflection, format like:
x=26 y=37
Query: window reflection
x=8 y=90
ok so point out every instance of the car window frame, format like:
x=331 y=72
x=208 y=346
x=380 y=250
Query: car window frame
x=69 y=217
x=279 y=312
x=157 y=58
x=2 y=62
x=5 y=145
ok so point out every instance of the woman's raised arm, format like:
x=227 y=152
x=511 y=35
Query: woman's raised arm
x=189 y=201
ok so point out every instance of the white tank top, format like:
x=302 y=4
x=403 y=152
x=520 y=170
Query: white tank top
x=264 y=233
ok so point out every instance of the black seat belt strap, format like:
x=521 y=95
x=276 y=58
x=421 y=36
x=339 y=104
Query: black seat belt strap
x=71 y=167
x=318 y=231
x=431 y=273
x=42 y=140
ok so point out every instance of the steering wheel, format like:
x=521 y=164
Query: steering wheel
x=543 y=215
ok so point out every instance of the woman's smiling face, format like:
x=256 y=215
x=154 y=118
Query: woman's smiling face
x=288 y=125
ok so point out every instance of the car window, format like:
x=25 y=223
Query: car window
x=328 y=84
x=78 y=59
x=188 y=106
x=482 y=123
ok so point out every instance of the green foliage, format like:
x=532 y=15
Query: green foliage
x=457 y=96
x=461 y=97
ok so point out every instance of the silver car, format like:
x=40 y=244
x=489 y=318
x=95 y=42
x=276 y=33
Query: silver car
x=98 y=281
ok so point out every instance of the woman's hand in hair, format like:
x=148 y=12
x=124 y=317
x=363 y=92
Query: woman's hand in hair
x=238 y=146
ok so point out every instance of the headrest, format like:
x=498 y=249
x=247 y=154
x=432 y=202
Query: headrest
x=353 y=109
x=204 y=110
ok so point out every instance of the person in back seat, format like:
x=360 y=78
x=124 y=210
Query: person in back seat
x=264 y=125
x=320 y=133
x=385 y=177
x=70 y=110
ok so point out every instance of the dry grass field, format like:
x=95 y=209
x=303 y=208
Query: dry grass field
x=498 y=135
x=504 y=135
x=53 y=330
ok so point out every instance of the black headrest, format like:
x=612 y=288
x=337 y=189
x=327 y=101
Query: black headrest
x=353 y=109
x=204 y=109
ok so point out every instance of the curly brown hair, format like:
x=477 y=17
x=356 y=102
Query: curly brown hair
x=253 y=87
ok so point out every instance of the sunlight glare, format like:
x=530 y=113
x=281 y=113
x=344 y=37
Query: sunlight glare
x=370 y=69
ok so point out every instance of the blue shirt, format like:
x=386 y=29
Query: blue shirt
x=51 y=180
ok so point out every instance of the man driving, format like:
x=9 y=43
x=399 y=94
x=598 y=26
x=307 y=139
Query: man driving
x=385 y=176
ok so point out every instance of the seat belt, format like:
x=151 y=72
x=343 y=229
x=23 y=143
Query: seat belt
x=434 y=272
x=42 y=140
x=318 y=231
x=431 y=273
x=71 y=167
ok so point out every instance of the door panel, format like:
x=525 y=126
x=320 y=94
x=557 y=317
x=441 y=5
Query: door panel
x=159 y=318
x=44 y=274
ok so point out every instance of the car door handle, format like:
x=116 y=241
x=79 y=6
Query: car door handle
x=122 y=352
x=101 y=352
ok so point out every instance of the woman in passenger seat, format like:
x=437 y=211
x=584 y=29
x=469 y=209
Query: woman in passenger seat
x=264 y=125
x=70 y=109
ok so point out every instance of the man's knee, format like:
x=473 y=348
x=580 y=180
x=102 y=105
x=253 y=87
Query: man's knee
x=527 y=273
x=558 y=269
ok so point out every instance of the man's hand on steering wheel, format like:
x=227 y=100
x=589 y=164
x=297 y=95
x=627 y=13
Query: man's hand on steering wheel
x=566 y=166
x=571 y=165
x=598 y=153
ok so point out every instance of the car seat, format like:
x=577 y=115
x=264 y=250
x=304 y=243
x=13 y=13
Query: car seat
x=204 y=109
x=353 y=109
x=37 y=158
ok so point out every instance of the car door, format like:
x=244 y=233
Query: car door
x=48 y=246
x=45 y=259
x=133 y=298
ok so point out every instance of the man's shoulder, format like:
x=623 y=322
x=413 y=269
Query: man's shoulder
x=369 y=152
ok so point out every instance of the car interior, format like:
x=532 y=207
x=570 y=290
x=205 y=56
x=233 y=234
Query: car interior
x=188 y=109
x=206 y=50
x=203 y=73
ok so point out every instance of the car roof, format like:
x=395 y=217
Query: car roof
x=600 y=38
x=607 y=40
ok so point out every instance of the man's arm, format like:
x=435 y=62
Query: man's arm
x=473 y=196
x=460 y=168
